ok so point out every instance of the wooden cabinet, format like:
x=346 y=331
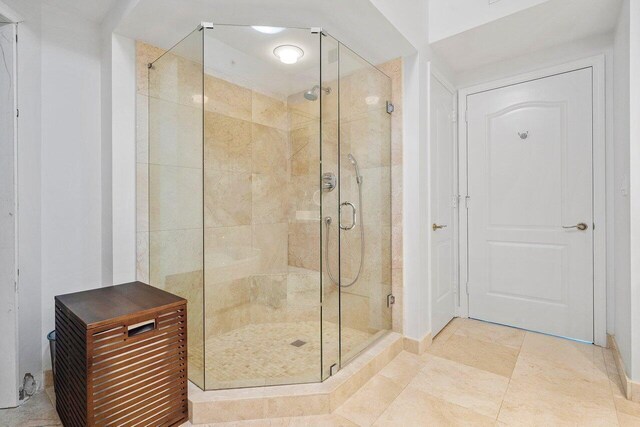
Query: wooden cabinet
x=121 y=357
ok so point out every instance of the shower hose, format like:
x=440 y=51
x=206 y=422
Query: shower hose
x=327 y=222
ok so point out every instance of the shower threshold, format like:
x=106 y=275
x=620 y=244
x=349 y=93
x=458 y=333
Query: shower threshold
x=217 y=406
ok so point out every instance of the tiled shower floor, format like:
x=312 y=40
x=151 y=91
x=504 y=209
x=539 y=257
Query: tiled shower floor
x=264 y=354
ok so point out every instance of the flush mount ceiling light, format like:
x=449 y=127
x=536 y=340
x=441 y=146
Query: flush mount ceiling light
x=288 y=54
x=267 y=30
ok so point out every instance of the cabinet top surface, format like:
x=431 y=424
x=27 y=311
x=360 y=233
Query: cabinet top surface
x=101 y=305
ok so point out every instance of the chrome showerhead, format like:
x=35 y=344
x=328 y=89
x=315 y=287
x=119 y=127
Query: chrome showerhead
x=312 y=94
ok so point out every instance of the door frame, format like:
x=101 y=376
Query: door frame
x=455 y=280
x=597 y=64
x=11 y=362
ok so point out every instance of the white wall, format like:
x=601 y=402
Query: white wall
x=634 y=182
x=123 y=131
x=118 y=148
x=71 y=160
x=29 y=184
x=416 y=316
x=408 y=16
x=622 y=295
x=449 y=17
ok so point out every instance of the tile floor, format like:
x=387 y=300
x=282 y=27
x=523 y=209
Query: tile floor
x=262 y=354
x=474 y=374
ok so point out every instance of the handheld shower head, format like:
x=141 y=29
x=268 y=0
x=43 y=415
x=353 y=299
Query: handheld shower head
x=354 y=162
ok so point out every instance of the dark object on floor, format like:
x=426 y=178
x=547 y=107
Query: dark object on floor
x=121 y=357
x=51 y=336
x=298 y=343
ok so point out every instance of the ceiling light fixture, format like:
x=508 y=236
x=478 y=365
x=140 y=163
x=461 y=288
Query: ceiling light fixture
x=267 y=30
x=288 y=54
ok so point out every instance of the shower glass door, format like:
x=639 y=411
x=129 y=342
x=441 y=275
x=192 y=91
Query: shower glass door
x=269 y=201
x=175 y=185
x=365 y=203
x=262 y=279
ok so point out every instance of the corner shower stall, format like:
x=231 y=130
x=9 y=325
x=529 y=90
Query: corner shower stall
x=270 y=201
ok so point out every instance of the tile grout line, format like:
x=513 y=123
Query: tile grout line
x=506 y=390
x=396 y=398
x=422 y=363
x=611 y=385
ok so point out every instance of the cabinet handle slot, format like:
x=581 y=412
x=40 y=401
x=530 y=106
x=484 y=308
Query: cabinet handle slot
x=141 y=328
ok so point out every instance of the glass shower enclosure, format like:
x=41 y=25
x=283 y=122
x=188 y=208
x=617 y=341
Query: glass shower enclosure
x=270 y=201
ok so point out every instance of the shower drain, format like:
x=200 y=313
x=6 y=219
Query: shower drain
x=298 y=343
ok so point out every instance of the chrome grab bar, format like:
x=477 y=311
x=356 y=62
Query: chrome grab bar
x=353 y=216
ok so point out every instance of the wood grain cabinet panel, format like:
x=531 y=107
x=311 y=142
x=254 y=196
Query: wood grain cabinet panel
x=121 y=357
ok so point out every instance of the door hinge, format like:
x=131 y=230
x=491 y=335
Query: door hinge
x=454 y=116
x=467 y=287
x=467 y=201
x=390 y=300
x=17 y=112
x=390 y=107
x=455 y=201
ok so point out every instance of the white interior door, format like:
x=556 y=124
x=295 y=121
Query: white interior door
x=8 y=214
x=443 y=198
x=530 y=185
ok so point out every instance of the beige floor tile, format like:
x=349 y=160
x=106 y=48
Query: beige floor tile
x=626 y=420
x=446 y=333
x=548 y=375
x=567 y=353
x=612 y=372
x=403 y=368
x=415 y=408
x=364 y=407
x=526 y=404
x=449 y=329
x=331 y=420
x=488 y=332
x=628 y=407
x=36 y=412
x=472 y=388
x=490 y=357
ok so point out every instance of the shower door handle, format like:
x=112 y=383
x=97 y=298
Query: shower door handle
x=353 y=216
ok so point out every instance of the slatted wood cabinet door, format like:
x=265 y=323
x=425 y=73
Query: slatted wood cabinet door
x=121 y=357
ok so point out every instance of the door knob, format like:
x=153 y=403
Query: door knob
x=581 y=226
x=437 y=227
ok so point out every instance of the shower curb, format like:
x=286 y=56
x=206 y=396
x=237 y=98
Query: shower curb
x=293 y=400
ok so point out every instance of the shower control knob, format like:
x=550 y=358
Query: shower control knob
x=328 y=181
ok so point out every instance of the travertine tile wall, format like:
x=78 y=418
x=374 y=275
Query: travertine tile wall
x=256 y=154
